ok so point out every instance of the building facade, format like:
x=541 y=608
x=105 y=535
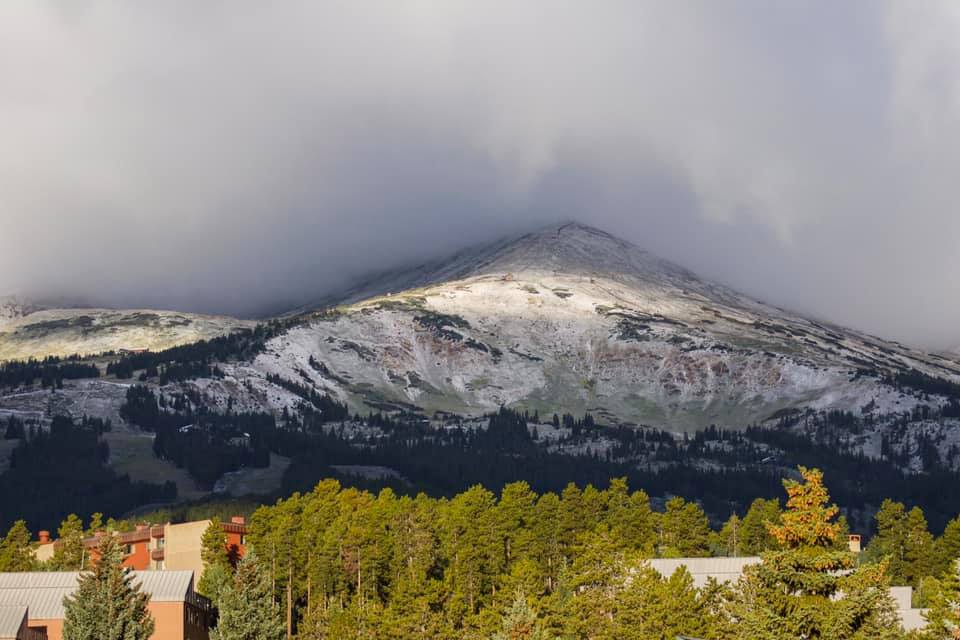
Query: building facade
x=725 y=570
x=174 y=547
x=179 y=613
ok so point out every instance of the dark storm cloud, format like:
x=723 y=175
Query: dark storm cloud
x=240 y=156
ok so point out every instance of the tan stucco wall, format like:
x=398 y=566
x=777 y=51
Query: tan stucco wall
x=181 y=549
x=43 y=552
x=168 y=617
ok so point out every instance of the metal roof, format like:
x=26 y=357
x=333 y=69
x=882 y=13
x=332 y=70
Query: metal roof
x=43 y=604
x=912 y=619
x=902 y=596
x=43 y=592
x=165 y=586
x=720 y=569
x=11 y=619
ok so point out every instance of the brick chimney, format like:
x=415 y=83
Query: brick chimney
x=44 y=537
x=238 y=520
x=854 y=542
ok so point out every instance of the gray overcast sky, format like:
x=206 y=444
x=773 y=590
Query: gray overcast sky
x=230 y=156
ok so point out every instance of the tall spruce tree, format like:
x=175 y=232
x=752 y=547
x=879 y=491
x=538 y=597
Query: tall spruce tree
x=947 y=548
x=729 y=540
x=943 y=616
x=520 y=622
x=755 y=536
x=246 y=607
x=657 y=608
x=905 y=542
x=810 y=589
x=69 y=553
x=684 y=530
x=15 y=550
x=217 y=571
x=107 y=604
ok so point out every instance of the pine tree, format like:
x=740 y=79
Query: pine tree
x=684 y=530
x=69 y=553
x=755 y=536
x=809 y=588
x=217 y=571
x=15 y=551
x=947 y=548
x=107 y=605
x=590 y=588
x=630 y=515
x=943 y=617
x=520 y=622
x=729 y=540
x=655 y=608
x=96 y=524
x=919 y=560
x=904 y=541
x=246 y=608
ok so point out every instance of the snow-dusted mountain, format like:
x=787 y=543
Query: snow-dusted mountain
x=31 y=332
x=567 y=319
x=13 y=307
x=573 y=319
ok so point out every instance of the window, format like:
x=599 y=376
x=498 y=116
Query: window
x=127 y=549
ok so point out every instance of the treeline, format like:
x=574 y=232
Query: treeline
x=395 y=564
x=919 y=381
x=199 y=359
x=51 y=372
x=62 y=470
x=725 y=469
x=445 y=462
x=329 y=409
x=338 y=562
x=206 y=443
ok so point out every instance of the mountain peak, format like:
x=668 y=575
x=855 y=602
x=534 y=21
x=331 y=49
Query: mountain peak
x=570 y=248
x=578 y=249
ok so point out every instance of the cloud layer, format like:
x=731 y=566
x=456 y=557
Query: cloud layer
x=240 y=156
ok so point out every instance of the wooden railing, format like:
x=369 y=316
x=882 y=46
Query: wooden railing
x=199 y=615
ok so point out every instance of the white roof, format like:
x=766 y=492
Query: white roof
x=701 y=569
x=902 y=596
x=43 y=592
x=11 y=619
x=730 y=569
x=912 y=619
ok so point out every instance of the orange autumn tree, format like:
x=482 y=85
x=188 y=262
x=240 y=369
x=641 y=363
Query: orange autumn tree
x=809 y=588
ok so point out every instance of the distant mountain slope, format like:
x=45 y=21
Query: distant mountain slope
x=64 y=332
x=15 y=307
x=573 y=319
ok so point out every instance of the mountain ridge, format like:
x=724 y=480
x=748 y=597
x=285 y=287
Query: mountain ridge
x=572 y=318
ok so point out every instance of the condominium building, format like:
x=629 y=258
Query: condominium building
x=172 y=547
x=32 y=604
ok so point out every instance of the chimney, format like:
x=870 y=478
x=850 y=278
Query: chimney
x=44 y=537
x=238 y=520
x=142 y=527
x=854 y=543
